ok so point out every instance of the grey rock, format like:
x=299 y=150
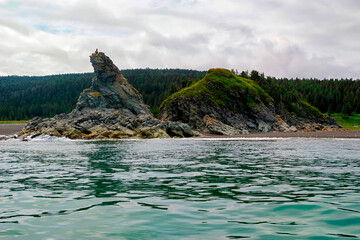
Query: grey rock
x=176 y=129
x=264 y=126
x=3 y=137
x=214 y=126
x=291 y=129
x=110 y=90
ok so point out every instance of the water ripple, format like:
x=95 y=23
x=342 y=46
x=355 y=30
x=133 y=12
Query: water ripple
x=180 y=189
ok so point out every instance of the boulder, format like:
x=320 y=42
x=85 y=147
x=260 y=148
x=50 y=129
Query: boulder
x=214 y=126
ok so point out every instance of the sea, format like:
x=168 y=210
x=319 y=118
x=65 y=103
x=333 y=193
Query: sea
x=265 y=188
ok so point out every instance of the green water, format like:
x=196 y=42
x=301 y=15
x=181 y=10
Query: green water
x=180 y=189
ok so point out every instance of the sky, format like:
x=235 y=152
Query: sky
x=282 y=38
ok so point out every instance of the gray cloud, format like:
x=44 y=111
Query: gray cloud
x=281 y=38
x=15 y=26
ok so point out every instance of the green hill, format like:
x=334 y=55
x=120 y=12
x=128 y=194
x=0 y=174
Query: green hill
x=242 y=104
x=217 y=87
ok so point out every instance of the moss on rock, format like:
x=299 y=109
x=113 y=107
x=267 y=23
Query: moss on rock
x=95 y=94
x=218 y=86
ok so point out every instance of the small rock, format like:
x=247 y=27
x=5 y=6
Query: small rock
x=3 y=137
x=214 y=126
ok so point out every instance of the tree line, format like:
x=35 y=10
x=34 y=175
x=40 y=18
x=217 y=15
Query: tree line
x=24 y=97
x=328 y=95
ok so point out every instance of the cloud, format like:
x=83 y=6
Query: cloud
x=281 y=38
x=15 y=26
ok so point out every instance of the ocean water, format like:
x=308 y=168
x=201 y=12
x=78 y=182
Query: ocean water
x=180 y=189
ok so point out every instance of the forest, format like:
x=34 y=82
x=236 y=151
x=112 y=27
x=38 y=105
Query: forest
x=328 y=95
x=24 y=97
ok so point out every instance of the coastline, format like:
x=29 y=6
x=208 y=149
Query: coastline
x=11 y=129
x=319 y=134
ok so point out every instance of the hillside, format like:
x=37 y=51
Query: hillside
x=24 y=97
x=227 y=104
x=330 y=95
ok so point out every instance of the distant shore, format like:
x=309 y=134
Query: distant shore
x=10 y=129
x=320 y=134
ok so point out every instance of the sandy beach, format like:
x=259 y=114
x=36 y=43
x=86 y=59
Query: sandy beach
x=10 y=129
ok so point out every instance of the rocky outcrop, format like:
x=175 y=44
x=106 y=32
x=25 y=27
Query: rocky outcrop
x=110 y=109
x=223 y=103
x=214 y=126
x=110 y=90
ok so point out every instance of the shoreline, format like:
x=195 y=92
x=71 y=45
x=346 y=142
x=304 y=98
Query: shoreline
x=11 y=129
x=319 y=134
x=8 y=129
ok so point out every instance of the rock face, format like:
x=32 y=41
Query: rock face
x=223 y=103
x=110 y=108
x=110 y=90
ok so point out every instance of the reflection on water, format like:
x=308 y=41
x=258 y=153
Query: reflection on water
x=180 y=189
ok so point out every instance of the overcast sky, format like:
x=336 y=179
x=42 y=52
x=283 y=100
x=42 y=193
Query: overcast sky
x=283 y=38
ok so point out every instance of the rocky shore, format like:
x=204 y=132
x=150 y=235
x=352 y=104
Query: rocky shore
x=9 y=130
x=110 y=109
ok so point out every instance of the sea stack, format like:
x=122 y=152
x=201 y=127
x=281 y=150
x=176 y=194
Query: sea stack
x=109 y=108
x=110 y=90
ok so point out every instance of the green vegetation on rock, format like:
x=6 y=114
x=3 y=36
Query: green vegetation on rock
x=311 y=110
x=218 y=86
x=284 y=98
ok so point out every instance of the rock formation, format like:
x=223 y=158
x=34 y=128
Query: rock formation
x=110 y=90
x=223 y=103
x=110 y=108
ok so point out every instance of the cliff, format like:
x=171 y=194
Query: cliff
x=223 y=103
x=110 y=108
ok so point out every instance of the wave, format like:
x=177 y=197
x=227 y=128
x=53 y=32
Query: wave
x=46 y=138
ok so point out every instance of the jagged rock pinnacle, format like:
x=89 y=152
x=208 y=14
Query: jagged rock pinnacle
x=110 y=90
x=104 y=68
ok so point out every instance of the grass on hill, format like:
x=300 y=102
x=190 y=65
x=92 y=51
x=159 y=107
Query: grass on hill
x=13 y=122
x=216 y=86
x=352 y=123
